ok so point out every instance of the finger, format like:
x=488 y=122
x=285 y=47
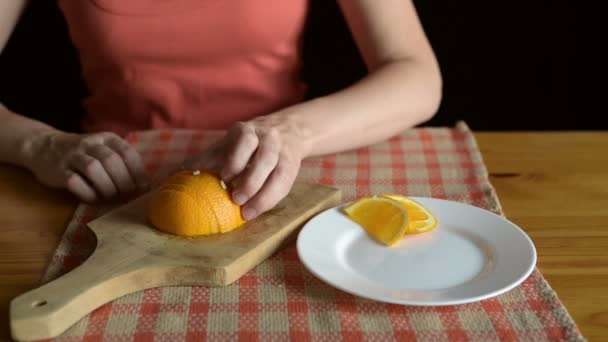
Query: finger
x=133 y=161
x=243 y=143
x=114 y=166
x=76 y=185
x=94 y=173
x=275 y=189
x=264 y=161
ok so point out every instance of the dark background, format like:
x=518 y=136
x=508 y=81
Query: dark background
x=505 y=65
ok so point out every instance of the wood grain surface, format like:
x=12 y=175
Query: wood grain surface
x=554 y=185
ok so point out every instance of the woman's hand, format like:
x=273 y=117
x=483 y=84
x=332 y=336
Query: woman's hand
x=263 y=156
x=92 y=166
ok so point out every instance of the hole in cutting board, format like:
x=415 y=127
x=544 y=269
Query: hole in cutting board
x=39 y=303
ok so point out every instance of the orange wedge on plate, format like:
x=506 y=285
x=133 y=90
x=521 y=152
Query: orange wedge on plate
x=420 y=218
x=383 y=218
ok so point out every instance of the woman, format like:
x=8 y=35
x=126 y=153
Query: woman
x=211 y=64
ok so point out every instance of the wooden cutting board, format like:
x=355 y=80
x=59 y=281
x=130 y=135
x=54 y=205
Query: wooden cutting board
x=131 y=256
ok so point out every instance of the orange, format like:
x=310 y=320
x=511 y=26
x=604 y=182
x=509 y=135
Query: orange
x=194 y=203
x=420 y=218
x=383 y=218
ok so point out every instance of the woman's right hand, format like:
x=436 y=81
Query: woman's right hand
x=93 y=167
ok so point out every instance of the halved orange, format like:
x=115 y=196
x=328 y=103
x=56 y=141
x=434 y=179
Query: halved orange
x=194 y=203
x=420 y=218
x=383 y=218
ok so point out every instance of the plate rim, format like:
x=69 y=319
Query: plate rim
x=529 y=269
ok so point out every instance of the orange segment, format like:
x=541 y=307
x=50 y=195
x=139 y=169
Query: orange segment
x=421 y=219
x=384 y=219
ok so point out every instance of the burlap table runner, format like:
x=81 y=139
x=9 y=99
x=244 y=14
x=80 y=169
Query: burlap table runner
x=281 y=300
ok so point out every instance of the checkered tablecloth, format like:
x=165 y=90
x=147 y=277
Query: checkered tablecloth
x=281 y=300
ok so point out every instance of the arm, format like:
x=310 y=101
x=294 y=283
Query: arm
x=402 y=90
x=14 y=127
x=91 y=166
x=10 y=11
x=16 y=132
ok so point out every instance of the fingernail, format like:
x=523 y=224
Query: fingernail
x=249 y=213
x=239 y=198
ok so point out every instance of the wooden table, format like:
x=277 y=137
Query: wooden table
x=554 y=185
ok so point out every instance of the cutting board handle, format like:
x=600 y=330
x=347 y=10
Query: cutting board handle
x=131 y=257
x=52 y=308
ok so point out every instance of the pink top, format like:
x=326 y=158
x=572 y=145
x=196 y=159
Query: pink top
x=200 y=64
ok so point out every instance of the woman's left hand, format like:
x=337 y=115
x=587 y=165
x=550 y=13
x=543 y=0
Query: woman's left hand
x=263 y=156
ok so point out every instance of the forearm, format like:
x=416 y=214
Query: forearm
x=15 y=134
x=394 y=97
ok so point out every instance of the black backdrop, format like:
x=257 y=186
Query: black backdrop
x=505 y=65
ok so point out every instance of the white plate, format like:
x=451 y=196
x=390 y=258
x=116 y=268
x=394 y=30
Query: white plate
x=472 y=254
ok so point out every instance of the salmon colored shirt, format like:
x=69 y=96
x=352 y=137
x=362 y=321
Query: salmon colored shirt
x=201 y=64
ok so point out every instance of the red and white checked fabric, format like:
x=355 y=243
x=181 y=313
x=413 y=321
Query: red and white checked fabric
x=280 y=300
